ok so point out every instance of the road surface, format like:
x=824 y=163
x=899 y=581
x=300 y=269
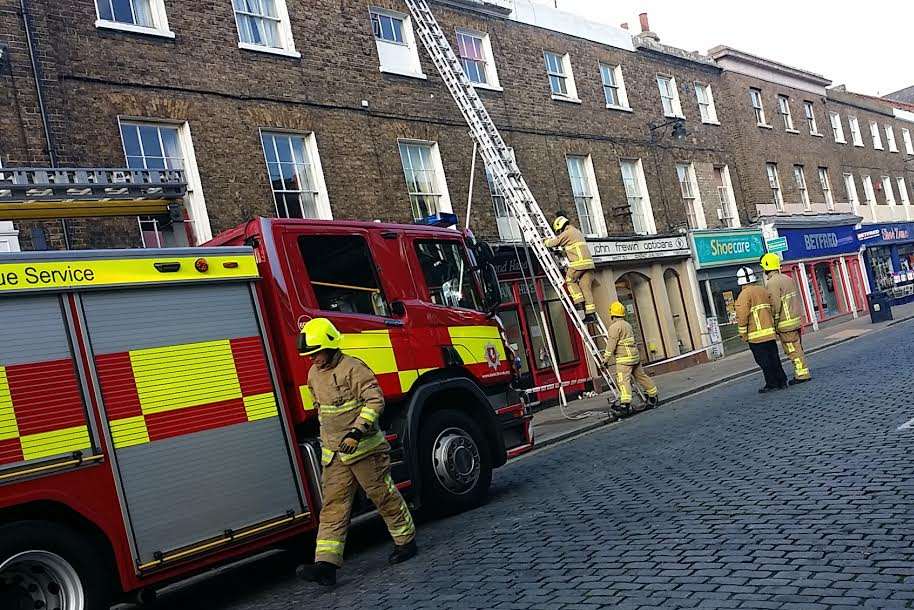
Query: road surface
x=728 y=499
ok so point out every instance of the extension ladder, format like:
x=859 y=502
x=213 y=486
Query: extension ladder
x=500 y=162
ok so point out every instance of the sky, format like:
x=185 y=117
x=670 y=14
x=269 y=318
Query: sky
x=865 y=45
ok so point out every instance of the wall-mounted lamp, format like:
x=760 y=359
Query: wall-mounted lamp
x=678 y=132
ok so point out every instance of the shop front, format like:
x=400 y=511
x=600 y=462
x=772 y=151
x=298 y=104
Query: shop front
x=717 y=256
x=530 y=304
x=655 y=280
x=888 y=250
x=825 y=262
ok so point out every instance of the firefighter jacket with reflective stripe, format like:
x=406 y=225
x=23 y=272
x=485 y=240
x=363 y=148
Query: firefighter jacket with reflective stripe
x=786 y=304
x=347 y=395
x=753 y=314
x=572 y=241
x=620 y=344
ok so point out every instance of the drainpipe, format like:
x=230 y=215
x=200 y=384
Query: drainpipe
x=33 y=57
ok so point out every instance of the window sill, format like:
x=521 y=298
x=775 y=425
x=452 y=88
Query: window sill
x=859 y=145
x=104 y=24
x=764 y=125
x=840 y=141
x=711 y=122
x=674 y=116
x=796 y=131
x=396 y=72
x=565 y=98
x=878 y=148
x=486 y=87
x=620 y=108
x=893 y=151
x=269 y=50
x=816 y=134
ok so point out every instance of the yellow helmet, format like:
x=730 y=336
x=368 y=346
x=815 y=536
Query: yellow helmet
x=559 y=223
x=771 y=262
x=316 y=335
x=617 y=310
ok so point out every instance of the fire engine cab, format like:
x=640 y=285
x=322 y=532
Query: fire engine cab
x=154 y=414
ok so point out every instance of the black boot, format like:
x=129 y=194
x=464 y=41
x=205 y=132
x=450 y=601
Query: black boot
x=653 y=402
x=796 y=381
x=403 y=552
x=590 y=318
x=321 y=572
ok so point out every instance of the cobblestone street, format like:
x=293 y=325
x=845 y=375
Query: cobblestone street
x=801 y=499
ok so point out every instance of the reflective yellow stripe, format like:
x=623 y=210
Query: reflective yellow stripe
x=366 y=445
x=471 y=342
x=407 y=379
x=307 y=401
x=261 y=406
x=326 y=456
x=368 y=414
x=743 y=329
x=180 y=376
x=9 y=429
x=760 y=334
x=373 y=348
x=56 y=442
x=129 y=431
x=332 y=547
x=349 y=405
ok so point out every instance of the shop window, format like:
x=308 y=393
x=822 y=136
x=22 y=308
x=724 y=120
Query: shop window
x=557 y=322
x=828 y=288
x=636 y=293
x=448 y=275
x=342 y=274
x=679 y=310
x=515 y=334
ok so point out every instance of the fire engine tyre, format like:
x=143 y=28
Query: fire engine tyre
x=455 y=462
x=46 y=565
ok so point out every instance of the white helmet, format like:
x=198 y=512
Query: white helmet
x=745 y=276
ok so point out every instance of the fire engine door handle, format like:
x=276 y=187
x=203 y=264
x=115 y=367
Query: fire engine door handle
x=390 y=322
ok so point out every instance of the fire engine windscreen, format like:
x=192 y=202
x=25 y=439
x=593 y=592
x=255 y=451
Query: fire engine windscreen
x=444 y=265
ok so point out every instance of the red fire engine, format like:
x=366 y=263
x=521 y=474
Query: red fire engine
x=154 y=415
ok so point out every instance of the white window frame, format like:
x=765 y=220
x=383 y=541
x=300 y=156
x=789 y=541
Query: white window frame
x=571 y=89
x=440 y=190
x=707 y=109
x=799 y=176
x=409 y=42
x=505 y=222
x=877 y=137
x=837 y=128
x=850 y=186
x=903 y=190
x=758 y=106
x=774 y=183
x=825 y=183
x=673 y=98
x=890 y=138
x=691 y=195
x=906 y=138
x=321 y=197
x=493 y=84
x=856 y=134
x=159 y=25
x=869 y=193
x=284 y=26
x=648 y=225
x=195 y=203
x=784 y=111
x=619 y=86
x=591 y=195
x=727 y=212
x=809 y=111
x=888 y=191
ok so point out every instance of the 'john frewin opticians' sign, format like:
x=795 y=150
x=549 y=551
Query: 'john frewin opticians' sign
x=605 y=251
x=720 y=248
x=823 y=241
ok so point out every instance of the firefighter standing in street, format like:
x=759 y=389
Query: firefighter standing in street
x=756 y=326
x=786 y=307
x=622 y=351
x=579 y=275
x=354 y=451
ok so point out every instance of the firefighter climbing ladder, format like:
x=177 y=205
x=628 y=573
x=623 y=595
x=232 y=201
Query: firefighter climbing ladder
x=498 y=159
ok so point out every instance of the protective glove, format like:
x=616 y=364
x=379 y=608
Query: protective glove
x=350 y=442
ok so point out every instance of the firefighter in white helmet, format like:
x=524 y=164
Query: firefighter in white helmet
x=354 y=451
x=756 y=326
x=579 y=275
x=622 y=351
x=787 y=309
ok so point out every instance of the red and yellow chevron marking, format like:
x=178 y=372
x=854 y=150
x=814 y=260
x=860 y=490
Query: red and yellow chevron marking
x=162 y=392
x=41 y=412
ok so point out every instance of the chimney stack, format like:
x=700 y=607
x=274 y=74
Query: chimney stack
x=646 y=28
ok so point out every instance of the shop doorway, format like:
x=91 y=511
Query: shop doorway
x=635 y=291
x=678 y=310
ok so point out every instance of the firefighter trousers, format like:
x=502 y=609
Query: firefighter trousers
x=792 y=343
x=769 y=360
x=580 y=288
x=339 y=484
x=624 y=374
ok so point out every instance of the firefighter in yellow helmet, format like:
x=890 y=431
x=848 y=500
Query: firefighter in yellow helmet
x=579 y=275
x=787 y=309
x=622 y=351
x=354 y=451
x=756 y=326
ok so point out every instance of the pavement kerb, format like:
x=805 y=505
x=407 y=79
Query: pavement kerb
x=558 y=438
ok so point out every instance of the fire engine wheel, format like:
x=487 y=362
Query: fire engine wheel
x=45 y=565
x=455 y=462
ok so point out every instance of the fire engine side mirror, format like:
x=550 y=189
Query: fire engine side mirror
x=484 y=253
x=398 y=309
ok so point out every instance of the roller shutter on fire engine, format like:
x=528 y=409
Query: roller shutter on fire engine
x=42 y=410
x=191 y=412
